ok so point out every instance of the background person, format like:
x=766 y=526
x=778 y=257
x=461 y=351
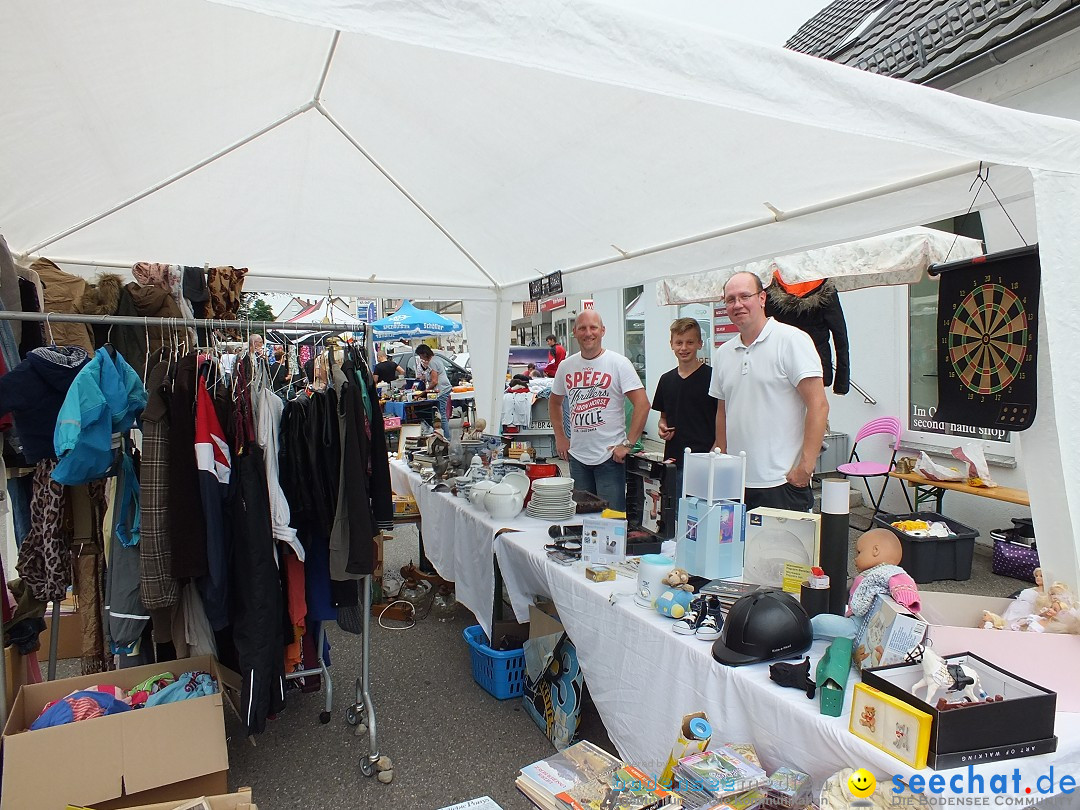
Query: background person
x=433 y=371
x=771 y=400
x=593 y=384
x=386 y=370
x=557 y=354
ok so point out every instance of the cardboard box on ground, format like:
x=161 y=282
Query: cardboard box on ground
x=173 y=751
x=241 y=800
x=70 y=642
x=1049 y=659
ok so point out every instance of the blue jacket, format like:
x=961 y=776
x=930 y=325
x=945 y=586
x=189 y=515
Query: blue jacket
x=105 y=398
x=35 y=391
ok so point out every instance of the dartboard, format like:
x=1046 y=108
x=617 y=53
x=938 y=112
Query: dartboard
x=988 y=311
x=988 y=339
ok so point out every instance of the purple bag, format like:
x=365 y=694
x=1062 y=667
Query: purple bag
x=1016 y=560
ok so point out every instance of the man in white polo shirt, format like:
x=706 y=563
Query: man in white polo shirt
x=771 y=400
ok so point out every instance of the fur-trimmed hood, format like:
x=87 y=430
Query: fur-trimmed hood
x=103 y=296
x=786 y=302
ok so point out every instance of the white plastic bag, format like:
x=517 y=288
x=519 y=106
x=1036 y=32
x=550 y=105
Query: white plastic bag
x=971 y=453
x=928 y=468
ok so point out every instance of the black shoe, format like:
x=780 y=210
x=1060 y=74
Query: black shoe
x=689 y=623
x=713 y=621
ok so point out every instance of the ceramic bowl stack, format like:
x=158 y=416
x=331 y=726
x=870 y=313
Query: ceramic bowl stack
x=552 y=499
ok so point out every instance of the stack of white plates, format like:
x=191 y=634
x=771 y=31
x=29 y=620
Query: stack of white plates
x=552 y=499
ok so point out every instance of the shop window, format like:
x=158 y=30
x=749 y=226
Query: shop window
x=634 y=328
x=923 y=428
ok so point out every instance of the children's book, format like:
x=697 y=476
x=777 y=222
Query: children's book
x=627 y=789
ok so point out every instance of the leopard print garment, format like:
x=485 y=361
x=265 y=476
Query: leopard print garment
x=45 y=558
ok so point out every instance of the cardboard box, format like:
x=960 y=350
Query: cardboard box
x=241 y=800
x=70 y=643
x=1021 y=725
x=955 y=622
x=887 y=635
x=122 y=760
x=775 y=537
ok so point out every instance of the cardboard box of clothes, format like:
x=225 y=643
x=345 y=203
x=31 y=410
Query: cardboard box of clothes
x=956 y=623
x=241 y=800
x=169 y=751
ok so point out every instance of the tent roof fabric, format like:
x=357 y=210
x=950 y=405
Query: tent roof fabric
x=402 y=151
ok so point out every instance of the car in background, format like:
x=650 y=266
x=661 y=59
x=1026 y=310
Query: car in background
x=407 y=360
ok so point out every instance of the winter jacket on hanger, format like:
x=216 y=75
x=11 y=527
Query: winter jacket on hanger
x=10 y=296
x=132 y=341
x=102 y=298
x=33 y=332
x=35 y=392
x=818 y=313
x=63 y=293
x=187 y=523
x=214 y=460
x=105 y=398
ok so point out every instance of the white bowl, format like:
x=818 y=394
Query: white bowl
x=519 y=481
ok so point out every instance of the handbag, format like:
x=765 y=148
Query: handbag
x=1013 y=558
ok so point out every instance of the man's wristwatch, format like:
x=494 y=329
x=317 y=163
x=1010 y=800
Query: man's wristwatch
x=627 y=445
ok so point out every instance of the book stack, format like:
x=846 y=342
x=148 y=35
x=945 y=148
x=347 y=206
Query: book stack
x=584 y=777
x=728 y=591
x=720 y=778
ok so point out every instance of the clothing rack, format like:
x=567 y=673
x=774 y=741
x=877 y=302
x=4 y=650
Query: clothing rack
x=363 y=709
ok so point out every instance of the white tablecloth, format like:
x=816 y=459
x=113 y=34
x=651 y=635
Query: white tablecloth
x=459 y=540
x=644 y=678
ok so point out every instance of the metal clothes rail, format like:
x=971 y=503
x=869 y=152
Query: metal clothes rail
x=362 y=710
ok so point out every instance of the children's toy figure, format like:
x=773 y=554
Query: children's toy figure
x=877 y=560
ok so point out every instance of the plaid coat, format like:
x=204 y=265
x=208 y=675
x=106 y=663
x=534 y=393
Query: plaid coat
x=157 y=586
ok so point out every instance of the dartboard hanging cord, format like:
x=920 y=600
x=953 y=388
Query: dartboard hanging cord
x=982 y=180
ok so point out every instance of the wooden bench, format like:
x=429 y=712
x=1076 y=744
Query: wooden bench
x=925 y=489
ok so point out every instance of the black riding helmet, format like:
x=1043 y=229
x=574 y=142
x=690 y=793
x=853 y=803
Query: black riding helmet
x=761 y=626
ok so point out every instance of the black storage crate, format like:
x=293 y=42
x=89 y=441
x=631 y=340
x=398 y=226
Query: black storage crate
x=928 y=559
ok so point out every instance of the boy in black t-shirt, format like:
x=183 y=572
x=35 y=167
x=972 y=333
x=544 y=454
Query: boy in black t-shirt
x=687 y=412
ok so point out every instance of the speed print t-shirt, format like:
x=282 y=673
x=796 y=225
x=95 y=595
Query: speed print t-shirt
x=594 y=391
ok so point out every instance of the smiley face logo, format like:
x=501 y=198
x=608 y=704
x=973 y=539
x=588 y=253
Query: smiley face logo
x=861 y=783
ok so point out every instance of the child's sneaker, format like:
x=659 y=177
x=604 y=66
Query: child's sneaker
x=688 y=624
x=712 y=621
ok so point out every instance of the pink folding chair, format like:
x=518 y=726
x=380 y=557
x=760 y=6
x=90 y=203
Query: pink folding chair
x=857 y=468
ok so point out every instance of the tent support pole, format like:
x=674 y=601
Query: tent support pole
x=168 y=181
x=777 y=216
x=416 y=203
x=179 y=323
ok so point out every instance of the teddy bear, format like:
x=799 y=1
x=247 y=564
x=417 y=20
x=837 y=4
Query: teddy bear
x=679 y=578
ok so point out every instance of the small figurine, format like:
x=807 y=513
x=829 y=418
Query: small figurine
x=939 y=674
x=991 y=621
x=877 y=559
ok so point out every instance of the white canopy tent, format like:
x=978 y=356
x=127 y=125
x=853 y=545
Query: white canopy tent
x=463 y=147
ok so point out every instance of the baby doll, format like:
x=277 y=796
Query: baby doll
x=877 y=560
x=991 y=621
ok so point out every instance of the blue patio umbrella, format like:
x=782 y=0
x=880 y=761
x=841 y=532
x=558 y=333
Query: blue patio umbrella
x=410 y=322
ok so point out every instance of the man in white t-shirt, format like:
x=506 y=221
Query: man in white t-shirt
x=772 y=400
x=592 y=385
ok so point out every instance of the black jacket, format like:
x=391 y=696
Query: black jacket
x=818 y=313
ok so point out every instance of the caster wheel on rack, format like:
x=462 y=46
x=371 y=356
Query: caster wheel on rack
x=352 y=716
x=324 y=717
x=366 y=767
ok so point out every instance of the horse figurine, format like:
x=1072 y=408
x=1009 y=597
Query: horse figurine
x=939 y=674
